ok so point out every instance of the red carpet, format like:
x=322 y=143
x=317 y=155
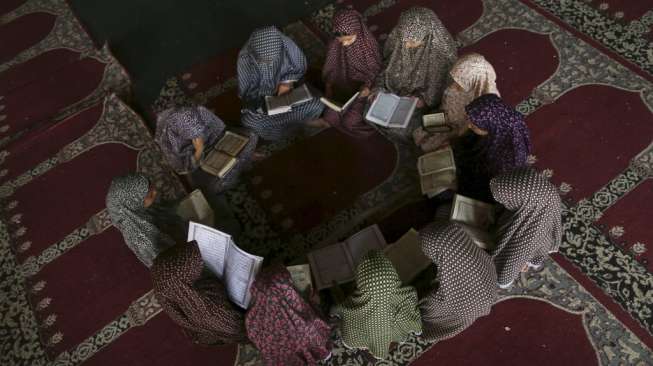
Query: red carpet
x=588 y=103
x=554 y=338
x=87 y=80
x=598 y=126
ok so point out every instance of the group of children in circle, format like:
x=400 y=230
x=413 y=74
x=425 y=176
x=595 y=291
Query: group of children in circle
x=490 y=141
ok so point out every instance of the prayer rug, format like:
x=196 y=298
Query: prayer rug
x=38 y=26
x=586 y=91
x=83 y=287
x=586 y=273
x=32 y=94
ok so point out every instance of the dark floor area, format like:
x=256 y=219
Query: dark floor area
x=155 y=39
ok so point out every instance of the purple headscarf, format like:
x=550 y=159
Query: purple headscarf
x=507 y=143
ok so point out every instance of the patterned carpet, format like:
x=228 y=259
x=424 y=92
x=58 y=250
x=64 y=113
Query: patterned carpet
x=580 y=70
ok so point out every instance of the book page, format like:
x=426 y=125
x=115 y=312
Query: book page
x=438 y=182
x=407 y=257
x=403 y=112
x=472 y=212
x=277 y=104
x=299 y=95
x=350 y=101
x=231 y=143
x=240 y=272
x=217 y=163
x=331 y=264
x=434 y=120
x=436 y=161
x=213 y=245
x=363 y=241
x=382 y=109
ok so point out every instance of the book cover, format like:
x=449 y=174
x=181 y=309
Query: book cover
x=195 y=207
x=407 y=257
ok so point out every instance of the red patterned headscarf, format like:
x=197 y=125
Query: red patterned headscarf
x=360 y=61
x=200 y=307
x=285 y=329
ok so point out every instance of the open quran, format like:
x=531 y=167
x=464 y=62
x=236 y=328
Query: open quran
x=340 y=100
x=224 y=155
x=389 y=110
x=336 y=263
x=283 y=103
x=437 y=172
x=435 y=123
x=476 y=218
x=236 y=268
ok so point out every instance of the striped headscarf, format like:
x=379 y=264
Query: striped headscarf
x=420 y=71
x=267 y=59
x=467 y=281
x=137 y=224
x=175 y=130
x=381 y=311
x=200 y=306
x=531 y=226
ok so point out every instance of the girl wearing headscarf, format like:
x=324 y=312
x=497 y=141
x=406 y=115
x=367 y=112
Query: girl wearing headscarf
x=472 y=76
x=186 y=134
x=500 y=143
x=268 y=64
x=531 y=226
x=466 y=281
x=381 y=310
x=284 y=327
x=199 y=305
x=418 y=55
x=131 y=207
x=353 y=62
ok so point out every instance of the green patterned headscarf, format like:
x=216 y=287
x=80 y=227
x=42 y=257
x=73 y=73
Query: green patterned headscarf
x=381 y=311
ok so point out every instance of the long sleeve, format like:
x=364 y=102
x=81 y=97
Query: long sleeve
x=296 y=61
x=248 y=81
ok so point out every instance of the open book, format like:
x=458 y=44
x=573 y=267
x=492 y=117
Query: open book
x=194 y=207
x=337 y=263
x=389 y=110
x=476 y=218
x=283 y=103
x=340 y=100
x=437 y=171
x=224 y=154
x=407 y=257
x=435 y=123
x=236 y=268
